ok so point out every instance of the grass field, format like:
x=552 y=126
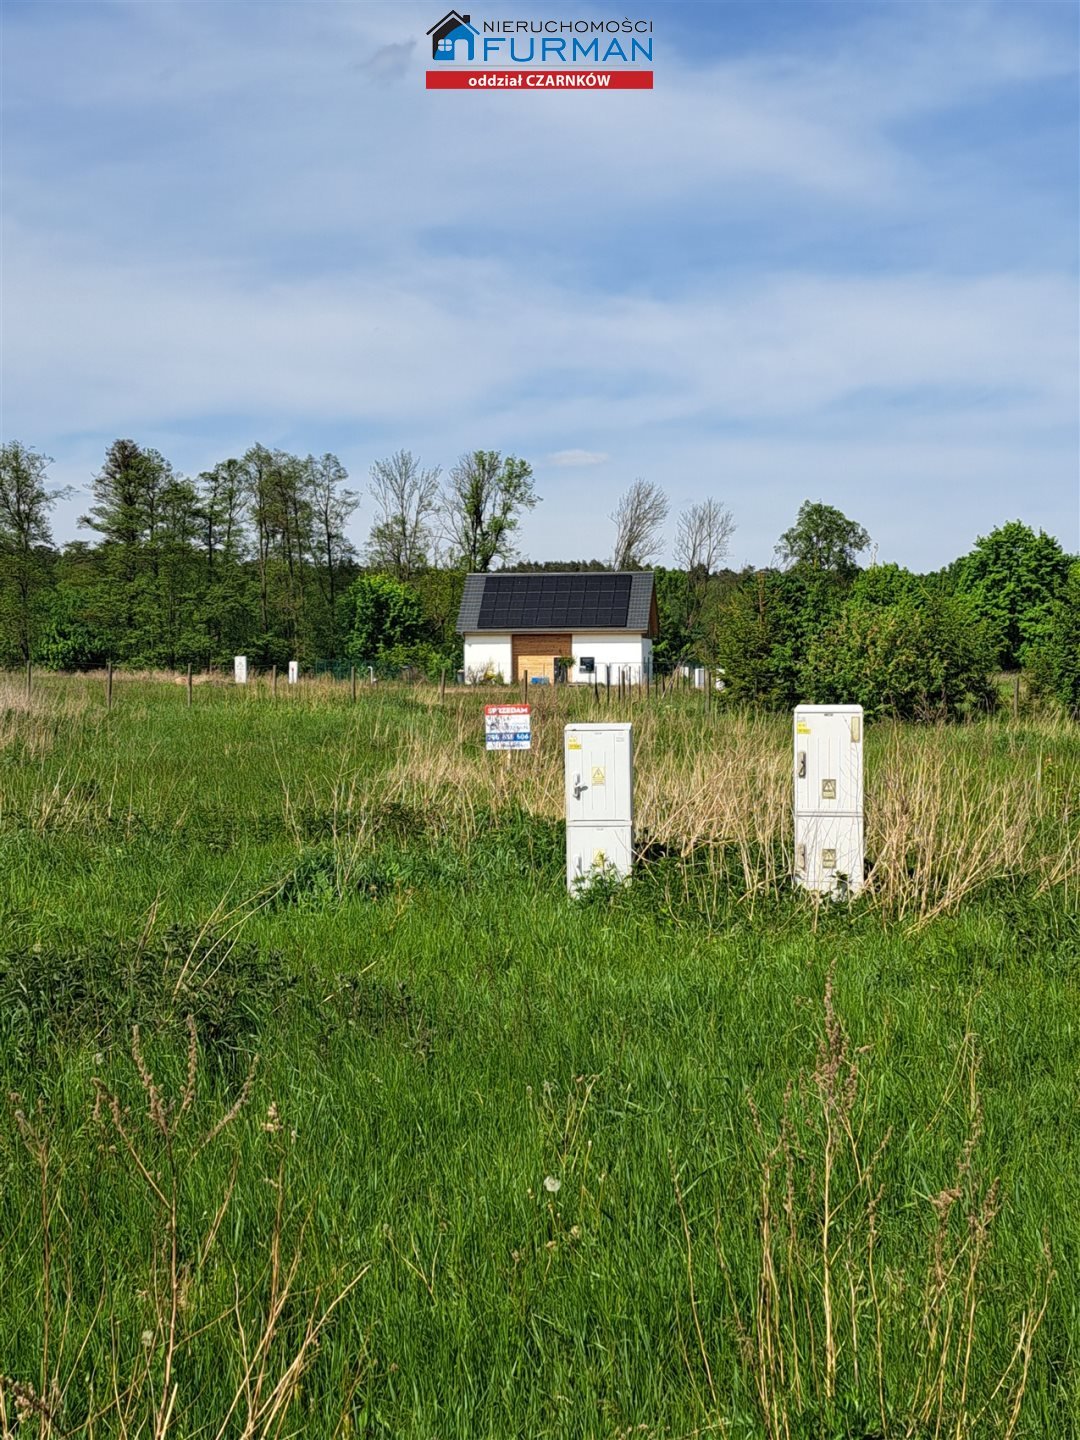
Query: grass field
x=693 y=1158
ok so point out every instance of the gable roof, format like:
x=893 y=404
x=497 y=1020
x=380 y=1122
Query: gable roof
x=557 y=600
x=452 y=21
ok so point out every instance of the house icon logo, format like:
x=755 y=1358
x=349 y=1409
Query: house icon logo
x=446 y=34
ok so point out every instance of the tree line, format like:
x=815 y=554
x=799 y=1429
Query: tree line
x=253 y=556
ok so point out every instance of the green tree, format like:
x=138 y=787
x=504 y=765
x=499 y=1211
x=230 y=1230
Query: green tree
x=70 y=636
x=127 y=515
x=884 y=585
x=25 y=545
x=923 y=656
x=282 y=520
x=1059 y=649
x=763 y=627
x=227 y=608
x=332 y=503
x=1015 y=577
x=482 y=506
x=675 y=642
x=823 y=538
x=381 y=615
x=179 y=578
x=440 y=596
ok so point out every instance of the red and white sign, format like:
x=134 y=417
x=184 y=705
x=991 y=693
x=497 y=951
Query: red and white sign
x=539 y=79
x=508 y=727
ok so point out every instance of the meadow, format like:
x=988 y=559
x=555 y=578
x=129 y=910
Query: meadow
x=326 y=1112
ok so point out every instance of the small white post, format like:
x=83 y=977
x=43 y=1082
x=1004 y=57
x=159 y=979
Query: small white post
x=240 y=669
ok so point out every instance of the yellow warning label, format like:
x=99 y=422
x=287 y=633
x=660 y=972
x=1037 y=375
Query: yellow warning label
x=598 y=776
x=573 y=744
x=599 y=858
x=802 y=728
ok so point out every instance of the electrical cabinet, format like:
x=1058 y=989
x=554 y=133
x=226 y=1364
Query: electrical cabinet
x=599 y=786
x=828 y=760
x=240 y=669
x=829 y=853
x=294 y=671
x=828 y=798
x=599 y=774
x=591 y=849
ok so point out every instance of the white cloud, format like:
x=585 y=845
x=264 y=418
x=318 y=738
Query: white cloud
x=274 y=231
x=571 y=459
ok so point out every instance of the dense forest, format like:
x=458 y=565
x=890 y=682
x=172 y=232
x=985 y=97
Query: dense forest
x=254 y=556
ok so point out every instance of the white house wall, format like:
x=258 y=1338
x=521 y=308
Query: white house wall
x=487 y=655
x=630 y=653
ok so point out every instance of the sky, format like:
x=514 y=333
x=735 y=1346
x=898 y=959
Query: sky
x=832 y=255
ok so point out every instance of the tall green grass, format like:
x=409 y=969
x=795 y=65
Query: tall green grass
x=689 y=1158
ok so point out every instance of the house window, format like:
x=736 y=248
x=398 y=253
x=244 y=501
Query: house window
x=446 y=47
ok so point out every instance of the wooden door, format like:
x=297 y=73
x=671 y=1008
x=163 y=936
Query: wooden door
x=536 y=654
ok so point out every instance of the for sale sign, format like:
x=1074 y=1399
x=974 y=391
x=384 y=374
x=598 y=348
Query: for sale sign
x=508 y=727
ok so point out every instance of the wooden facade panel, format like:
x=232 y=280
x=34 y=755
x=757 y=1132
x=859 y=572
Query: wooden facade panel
x=537 y=653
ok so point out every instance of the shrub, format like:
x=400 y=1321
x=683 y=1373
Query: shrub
x=1055 y=662
x=381 y=614
x=924 y=657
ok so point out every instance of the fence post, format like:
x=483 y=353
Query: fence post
x=189 y=685
x=1016 y=694
x=108 y=686
x=29 y=678
x=273 y=681
x=442 y=684
x=352 y=681
x=524 y=689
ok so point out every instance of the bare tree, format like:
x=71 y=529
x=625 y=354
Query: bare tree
x=639 y=523
x=701 y=543
x=406 y=501
x=703 y=538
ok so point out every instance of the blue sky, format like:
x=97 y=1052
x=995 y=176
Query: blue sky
x=833 y=255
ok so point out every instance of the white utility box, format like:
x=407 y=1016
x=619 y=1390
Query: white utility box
x=599 y=774
x=294 y=671
x=240 y=669
x=828 y=795
x=599 y=761
x=829 y=853
x=592 y=849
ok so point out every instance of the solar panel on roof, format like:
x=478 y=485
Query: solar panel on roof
x=536 y=602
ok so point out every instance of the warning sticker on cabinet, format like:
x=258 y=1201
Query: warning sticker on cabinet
x=573 y=744
x=598 y=776
x=802 y=728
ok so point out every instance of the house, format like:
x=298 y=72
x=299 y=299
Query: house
x=445 y=35
x=518 y=624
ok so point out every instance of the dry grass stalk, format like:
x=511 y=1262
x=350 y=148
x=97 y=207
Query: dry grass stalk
x=800 y=1336
x=159 y=1147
